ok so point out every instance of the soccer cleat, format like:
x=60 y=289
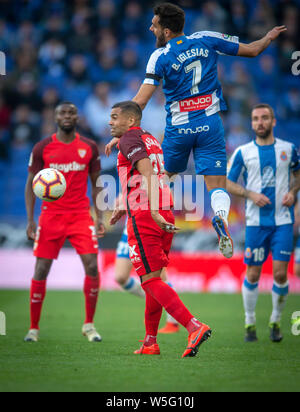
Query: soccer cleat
x=148 y=350
x=169 y=328
x=195 y=339
x=250 y=335
x=225 y=241
x=91 y=333
x=275 y=333
x=32 y=336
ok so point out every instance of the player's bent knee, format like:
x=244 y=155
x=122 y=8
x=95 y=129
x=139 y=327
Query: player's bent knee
x=151 y=276
x=253 y=274
x=42 y=269
x=280 y=277
x=121 y=278
x=92 y=269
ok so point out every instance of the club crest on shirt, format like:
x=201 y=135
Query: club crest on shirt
x=248 y=253
x=82 y=153
x=268 y=177
x=283 y=156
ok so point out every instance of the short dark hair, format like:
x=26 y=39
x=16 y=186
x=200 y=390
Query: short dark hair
x=130 y=107
x=170 y=16
x=265 y=106
x=65 y=103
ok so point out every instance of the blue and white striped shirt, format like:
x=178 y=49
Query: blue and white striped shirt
x=266 y=170
x=188 y=67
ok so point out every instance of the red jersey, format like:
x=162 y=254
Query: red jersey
x=76 y=160
x=136 y=144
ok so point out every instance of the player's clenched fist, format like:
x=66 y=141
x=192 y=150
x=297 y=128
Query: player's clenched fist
x=100 y=228
x=163 y=224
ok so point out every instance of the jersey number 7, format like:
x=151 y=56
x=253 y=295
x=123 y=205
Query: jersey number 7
x=196 y=67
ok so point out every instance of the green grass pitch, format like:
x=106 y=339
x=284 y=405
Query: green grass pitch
x=63 y=360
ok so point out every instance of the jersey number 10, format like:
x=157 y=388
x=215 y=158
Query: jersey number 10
x=196 y=67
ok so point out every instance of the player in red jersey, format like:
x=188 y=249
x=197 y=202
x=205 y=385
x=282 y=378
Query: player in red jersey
x=151 y=225
x=67 y=218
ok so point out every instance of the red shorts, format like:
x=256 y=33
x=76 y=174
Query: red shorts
x=149 y=245
x=54 y=229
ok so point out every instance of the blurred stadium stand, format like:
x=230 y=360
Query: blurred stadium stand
x=94 y=53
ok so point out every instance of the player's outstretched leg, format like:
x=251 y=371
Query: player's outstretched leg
x=172 y=325
x=168 y=298
x=132 y=285
x=220 y=203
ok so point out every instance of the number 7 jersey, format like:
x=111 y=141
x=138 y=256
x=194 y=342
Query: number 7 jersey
x=188 y=67
x=136 y=144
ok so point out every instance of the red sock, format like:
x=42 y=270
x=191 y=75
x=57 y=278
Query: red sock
x=169 y=299
x=152 y=318
x=91 y=292
x=37 y=296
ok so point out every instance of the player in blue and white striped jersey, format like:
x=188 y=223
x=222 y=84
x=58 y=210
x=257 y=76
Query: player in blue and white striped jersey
x=187 y=65
x=266 y=165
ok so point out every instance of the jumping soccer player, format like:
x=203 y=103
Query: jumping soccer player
x=266 y=165
x=68 y=218
x=131 y=284
x=188 y=67
x=150 y=225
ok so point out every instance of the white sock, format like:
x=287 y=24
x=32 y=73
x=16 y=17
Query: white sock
x=220 y=203
x=133 y=286
x=169 y=317
x=279 y=298
x=250 y=296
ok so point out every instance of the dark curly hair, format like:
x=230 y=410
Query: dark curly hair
x=170 y=16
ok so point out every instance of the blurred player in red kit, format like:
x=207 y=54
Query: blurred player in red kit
x=150 y=225
x=67 y=218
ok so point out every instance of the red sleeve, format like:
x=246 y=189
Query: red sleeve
x=95 y=163
x=132 y=147
x=36 y=162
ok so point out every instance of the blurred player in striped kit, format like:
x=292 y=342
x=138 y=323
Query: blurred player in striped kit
x=266 y=165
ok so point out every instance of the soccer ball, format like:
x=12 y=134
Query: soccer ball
x=49 y=185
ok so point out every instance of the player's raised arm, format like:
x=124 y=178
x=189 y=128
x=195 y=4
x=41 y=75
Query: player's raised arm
x=144 y=95
x=257 y=47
